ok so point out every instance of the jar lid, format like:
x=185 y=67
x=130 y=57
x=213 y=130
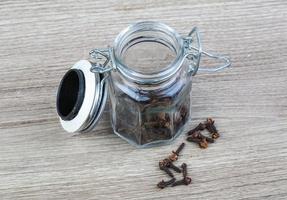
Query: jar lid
x=81 y=98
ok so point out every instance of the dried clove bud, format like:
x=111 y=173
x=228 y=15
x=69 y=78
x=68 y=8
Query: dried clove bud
x=184 y=181
x=179 y=149
x=184 y=170
x=199 y=127
x=175 y=154
x=193 y=139
x=167 y=171
x=211 y=128
x=162 y=184
x=175 y=168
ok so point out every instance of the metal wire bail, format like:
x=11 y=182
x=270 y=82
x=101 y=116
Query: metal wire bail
x=194 y=54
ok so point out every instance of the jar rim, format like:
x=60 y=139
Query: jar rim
x=142 y=78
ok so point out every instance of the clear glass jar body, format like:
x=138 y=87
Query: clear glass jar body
x=150 y=109
x=150 y=115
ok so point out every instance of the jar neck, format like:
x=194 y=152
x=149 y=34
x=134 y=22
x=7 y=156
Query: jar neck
x=148 y=32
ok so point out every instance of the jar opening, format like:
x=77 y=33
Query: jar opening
x=148 y=56
x=148 y=52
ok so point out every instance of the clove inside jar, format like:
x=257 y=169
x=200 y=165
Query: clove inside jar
x=147 y=74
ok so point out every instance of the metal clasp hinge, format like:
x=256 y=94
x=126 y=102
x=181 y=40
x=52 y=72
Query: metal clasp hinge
x=192 y=45
x=101 y=60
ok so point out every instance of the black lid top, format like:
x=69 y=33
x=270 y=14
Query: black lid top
x=71 y=94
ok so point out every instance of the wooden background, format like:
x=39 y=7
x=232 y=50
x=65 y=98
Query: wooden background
x=40 y=40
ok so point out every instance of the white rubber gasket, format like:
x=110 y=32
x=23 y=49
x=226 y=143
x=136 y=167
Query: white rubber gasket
x=102 y=104
x=76 y=124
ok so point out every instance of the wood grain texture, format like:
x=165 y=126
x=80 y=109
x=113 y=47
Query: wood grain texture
x=40 y=40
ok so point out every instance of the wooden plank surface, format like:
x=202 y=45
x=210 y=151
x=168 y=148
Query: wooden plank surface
x=40 y=40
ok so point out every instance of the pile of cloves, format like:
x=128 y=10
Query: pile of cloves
x=197 y=137
x=167 y=165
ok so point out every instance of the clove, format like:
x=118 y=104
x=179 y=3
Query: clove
x=184 y=170
x=184 y=181
x=179 y=149
x=211 y=128
x=167 y=171
x=175 y=168
x=199 y=127
x=162 y=184
x=192 y=139
x=175 y=154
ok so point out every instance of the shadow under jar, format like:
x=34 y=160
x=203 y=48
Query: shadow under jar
x=148 y=75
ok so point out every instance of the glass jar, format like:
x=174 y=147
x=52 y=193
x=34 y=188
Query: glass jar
x=150 y=102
